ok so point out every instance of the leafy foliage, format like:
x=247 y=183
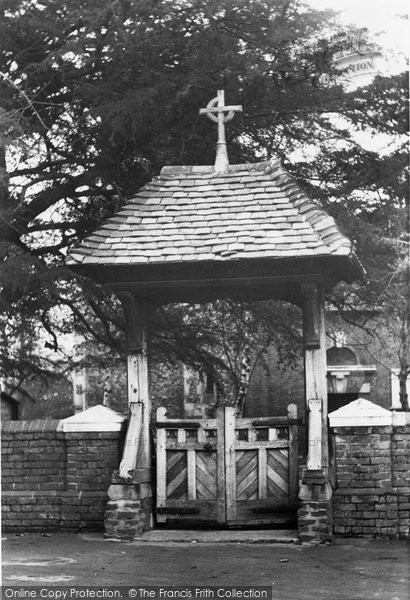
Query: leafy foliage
x=214 y=338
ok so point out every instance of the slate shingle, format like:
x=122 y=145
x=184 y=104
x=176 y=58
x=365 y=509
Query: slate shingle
x=193 y=213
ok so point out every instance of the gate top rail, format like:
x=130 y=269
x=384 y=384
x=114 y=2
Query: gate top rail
x=162 y=422
x=175 y=424
x=273 y=421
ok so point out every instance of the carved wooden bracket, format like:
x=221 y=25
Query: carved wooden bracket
x=310 y=315
x=314 y=459
x=135 y=315
x=132 y=441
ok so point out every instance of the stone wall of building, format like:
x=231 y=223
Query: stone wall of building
x=273 y=387
x=53 y=480
x=370 y=349
x=372 y=495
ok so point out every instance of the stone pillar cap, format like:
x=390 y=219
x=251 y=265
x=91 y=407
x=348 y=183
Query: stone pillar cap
x=363 y=413
x=96 y=418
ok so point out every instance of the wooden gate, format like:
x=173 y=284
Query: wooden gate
x=227 y=470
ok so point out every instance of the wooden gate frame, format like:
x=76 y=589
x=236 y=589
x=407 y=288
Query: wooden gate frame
x=226 y=424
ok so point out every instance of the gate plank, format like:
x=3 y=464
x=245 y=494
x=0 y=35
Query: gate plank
x=178 y=487
x=161 y=465
x=278 y=463
x=243 y=458
x=244 y=468
x=191 y=466
x=262 y=474
x=293 y=464
x=248 y=487
x=206 y=476
x=277 y=487
x=161 y=461
x=220 y=457
x=230 y=466
x=277 y=481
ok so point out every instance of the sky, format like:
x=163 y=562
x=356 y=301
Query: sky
x=389 y=30
x=382 y=19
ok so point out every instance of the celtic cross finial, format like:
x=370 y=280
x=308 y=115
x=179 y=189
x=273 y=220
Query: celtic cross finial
x=215 y=111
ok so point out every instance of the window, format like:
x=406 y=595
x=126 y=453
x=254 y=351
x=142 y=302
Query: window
x=209 y=384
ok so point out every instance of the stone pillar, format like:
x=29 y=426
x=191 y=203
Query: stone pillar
x=92 y=445
x=372 y=446
x=129 y=509
x=315 y=495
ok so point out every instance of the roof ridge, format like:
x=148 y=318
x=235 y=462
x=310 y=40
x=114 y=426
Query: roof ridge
x=173 y=170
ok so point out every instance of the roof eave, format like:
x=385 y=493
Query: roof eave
x=164 y=279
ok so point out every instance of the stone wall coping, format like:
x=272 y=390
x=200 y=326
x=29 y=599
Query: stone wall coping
x=30 y=426
x=400 y=419
x=96 y=418
x=364 y=413
x=53 y=494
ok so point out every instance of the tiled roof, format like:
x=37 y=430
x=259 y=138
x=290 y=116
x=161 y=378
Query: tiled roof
x=193 y=213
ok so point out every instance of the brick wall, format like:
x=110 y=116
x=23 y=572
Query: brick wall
x=53 y=480
x=372 y=495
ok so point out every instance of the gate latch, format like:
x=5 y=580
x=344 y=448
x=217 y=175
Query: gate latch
x=208 y=449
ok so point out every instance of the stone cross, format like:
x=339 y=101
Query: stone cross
x=215 y=111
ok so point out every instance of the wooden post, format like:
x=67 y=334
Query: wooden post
x=230 y=463
x=314 y=334
x=315 y=509
x=161 y=464
x=293 y=454
x=220 y=473
x=129 y=508
x=136 y=317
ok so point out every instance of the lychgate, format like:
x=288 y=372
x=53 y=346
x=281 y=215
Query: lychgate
x=195 y=234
